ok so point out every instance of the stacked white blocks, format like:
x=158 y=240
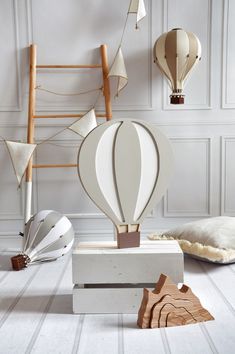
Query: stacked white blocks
x=111 y=280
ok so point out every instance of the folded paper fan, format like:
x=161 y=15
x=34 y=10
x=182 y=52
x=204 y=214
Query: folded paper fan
x=47 y=236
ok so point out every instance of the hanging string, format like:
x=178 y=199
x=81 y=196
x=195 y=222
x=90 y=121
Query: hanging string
x=62 y=130
x=98 y=96
x=124 y=30
x=52 y=136
x=40 y=88
x=70 y=146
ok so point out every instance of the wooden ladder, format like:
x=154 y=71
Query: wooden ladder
x=32 y=114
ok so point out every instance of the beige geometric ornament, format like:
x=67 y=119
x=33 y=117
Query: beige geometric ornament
x=176 y=53
x=137 y=7
x=85 y=124
x=168 y=306
x=127 y=172
x=118 y=69
x=20 y=155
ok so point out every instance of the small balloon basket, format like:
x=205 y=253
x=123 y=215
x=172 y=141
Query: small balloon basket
x=20 y=261
x=177 y=99
x=128 y=239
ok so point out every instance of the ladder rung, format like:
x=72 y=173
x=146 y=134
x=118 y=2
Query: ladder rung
x=65 y=115
x=81 y=66
x=55 y=165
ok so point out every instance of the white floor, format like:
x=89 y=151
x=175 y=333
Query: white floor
x=36 y=315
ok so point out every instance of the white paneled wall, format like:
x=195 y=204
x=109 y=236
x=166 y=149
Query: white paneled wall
x=202 y=131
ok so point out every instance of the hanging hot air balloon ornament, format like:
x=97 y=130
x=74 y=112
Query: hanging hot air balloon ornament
x=124 y=166
x=176 y=53
x=47 y=236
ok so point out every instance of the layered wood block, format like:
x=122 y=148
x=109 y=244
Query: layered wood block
x=168 y=306
x=111 y=280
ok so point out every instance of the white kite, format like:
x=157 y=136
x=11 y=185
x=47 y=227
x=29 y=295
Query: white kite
x=137 y=7
x=20 y=155
x=85 y=124
x=118 y=69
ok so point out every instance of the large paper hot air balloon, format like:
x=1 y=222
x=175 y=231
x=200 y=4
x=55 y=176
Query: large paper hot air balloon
x=124 y=166
x=176 y=53
x=47 y=236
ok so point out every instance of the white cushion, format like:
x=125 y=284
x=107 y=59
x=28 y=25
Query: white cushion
x=208 y=239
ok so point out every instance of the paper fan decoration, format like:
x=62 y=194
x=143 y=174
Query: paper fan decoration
x=47 y=236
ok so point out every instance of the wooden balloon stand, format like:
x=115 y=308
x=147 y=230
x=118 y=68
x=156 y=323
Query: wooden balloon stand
x=111 y=280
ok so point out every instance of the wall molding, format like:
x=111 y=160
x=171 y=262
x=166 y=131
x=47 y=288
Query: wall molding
x=223 y=182
x=225 y=103
x=171 y=213
x=17 y=107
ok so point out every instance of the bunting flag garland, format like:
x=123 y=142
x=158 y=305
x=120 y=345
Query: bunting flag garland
x=137 y=7
x=85 y=124
x=20 y=155
x=118 y=69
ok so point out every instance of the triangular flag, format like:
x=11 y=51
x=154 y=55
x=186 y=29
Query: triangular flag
x=20 y=155
x=85 y=124
x=118 y=69
x=137 y=7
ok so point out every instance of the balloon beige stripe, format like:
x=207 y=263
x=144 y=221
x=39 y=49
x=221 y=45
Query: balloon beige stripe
x=170 y=52
x=160 y=56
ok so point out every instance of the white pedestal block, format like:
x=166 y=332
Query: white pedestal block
x=111 y=280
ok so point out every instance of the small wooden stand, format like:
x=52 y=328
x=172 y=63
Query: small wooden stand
x=111 y=280
x=168 y=306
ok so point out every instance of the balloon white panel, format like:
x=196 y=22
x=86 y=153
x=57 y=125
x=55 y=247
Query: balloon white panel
x=149 y=170
x=55 y=254
x=127 y=169
x=47 y=233
x=60 y=228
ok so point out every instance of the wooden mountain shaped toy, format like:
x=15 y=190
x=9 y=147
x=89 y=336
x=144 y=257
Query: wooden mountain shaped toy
x=168 y=306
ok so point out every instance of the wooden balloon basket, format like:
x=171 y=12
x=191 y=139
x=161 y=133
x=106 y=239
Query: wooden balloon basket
x=168 y=306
